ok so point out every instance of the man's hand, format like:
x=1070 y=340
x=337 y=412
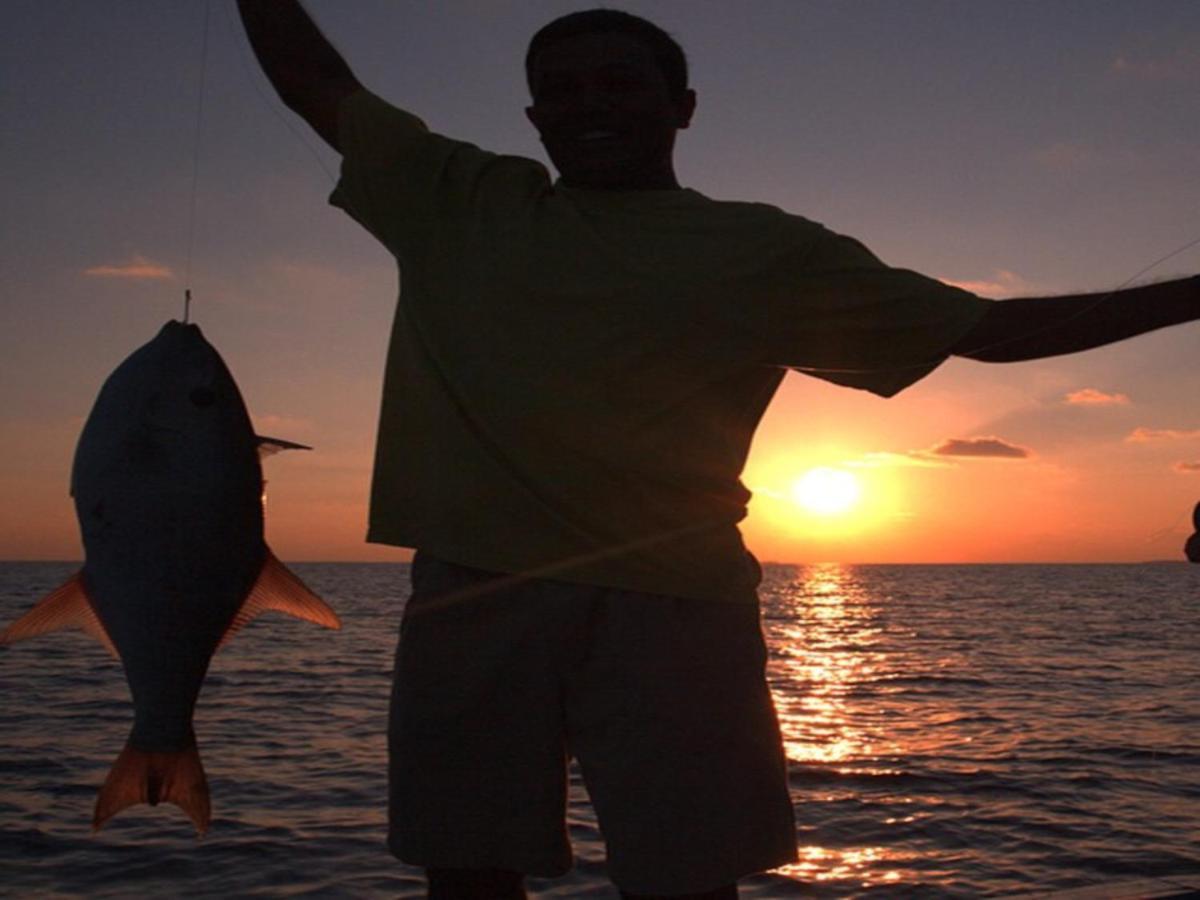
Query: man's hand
x=309 y=75
x=1036 y=327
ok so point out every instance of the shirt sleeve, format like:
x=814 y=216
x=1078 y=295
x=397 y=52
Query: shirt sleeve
x=852 y=320
x=398 y=178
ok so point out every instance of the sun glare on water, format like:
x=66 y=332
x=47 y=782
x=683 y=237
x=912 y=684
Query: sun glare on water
x=826 y=491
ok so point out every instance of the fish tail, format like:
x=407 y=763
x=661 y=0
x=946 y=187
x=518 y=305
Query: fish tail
x=140 y=776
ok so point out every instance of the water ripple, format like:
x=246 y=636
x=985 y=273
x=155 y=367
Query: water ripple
x=953 y=731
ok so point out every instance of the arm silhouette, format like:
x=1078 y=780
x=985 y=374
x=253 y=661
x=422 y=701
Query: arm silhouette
x=309 y=75
x=1037 y=327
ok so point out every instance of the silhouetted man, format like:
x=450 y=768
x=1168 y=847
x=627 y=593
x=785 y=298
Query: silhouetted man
x=575 y=373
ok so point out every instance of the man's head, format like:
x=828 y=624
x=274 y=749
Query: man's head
x=609 y=93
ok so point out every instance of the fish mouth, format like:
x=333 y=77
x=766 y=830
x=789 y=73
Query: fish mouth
x=182 y=336
x=174 y=326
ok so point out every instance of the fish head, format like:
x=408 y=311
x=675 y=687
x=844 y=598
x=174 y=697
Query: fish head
x=185 y=390
x=170 y=413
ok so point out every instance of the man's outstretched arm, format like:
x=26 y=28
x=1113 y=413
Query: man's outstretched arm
x=308 y=73
x=1036 y=327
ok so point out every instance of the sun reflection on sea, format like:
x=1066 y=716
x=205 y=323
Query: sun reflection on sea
x=868 y=865
x=830 y=645
x=829 y=637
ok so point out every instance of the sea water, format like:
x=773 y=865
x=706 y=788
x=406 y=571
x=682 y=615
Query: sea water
x=952 y=731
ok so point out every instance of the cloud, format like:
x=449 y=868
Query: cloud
x=1186 y=467
x=138 y=269
x=875 y=460
x=1181 y=65
x=1093 y=397
x=941 y=456
x=1067 y=156
x=1003 y=283
x=1145 y=435
x=992 y=447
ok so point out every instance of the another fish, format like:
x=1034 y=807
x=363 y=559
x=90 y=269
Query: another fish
x=168 y=491
x=1191 y=549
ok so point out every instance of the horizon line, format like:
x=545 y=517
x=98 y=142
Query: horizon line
x=771 y=562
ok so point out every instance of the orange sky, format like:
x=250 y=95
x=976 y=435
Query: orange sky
x=1118 y=498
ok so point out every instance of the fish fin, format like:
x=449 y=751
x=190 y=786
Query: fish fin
x=67 y=606
x=269 y=446
x=140 y=776
x=280 y=589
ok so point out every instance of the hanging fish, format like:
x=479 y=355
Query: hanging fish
x=168 y=492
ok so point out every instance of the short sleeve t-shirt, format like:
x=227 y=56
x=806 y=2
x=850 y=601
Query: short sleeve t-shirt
x=574 y=376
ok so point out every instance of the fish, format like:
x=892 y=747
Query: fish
x=168 y=491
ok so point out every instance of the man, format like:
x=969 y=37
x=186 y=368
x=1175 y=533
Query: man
x=575 y=373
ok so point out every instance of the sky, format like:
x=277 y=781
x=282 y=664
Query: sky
x=1014 y=148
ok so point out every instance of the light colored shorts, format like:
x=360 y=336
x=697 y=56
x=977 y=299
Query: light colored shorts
x=662 y=700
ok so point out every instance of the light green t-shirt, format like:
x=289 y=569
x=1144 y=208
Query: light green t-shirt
x=574 y=376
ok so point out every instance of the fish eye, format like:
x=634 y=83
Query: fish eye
x=202 y=396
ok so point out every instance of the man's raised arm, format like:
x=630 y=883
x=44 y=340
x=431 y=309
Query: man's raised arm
x=308 y=73
x=1036 y=327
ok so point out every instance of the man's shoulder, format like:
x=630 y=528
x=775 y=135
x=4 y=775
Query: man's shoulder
x=375 y=134
x=364 y=105
x=754 y=211
x=760 y=217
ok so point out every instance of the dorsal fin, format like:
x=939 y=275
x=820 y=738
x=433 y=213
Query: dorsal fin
x=67 y=606
x=269 y=446
x=280 y=589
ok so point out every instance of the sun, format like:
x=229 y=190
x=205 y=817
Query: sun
x=826 y=491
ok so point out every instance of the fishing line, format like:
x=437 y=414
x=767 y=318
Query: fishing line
x=199 y=131
x=1171 y=529
x=253 y=76
x=191 y=238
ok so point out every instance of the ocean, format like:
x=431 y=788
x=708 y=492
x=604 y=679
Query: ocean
x=952 y=731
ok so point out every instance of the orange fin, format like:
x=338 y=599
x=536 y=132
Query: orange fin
x=142 y=777
x=67 y=606
x=279 y=589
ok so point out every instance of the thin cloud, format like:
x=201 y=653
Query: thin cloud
x=878 y=459
x=137 y=269
x=1067 y=156
x=1003 y=283
x=1145 y=435
x=1185 y=467
x=943 y=454
x=1093 y=397
x=1181 y=65
x=989 y=447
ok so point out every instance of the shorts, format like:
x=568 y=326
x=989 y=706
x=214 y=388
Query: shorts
x=663 y=701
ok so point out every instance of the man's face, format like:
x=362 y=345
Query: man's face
x=605 y=114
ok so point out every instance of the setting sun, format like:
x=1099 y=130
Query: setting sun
x=826 y=491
